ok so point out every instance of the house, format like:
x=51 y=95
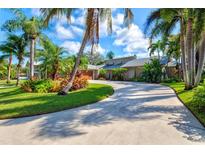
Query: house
x=133 y=65
x=116 y=63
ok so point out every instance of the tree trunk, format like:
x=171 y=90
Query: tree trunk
x=189 y=44
x=18 y=73
x=201 y=61
x=65 y=90
x=32 y=48
x=183 y=58
x=9 y=68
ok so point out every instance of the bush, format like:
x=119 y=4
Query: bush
x=171 y=80
x=118 y=73
x=102 y=74
x=152 y=71
x=39 y=86
x=199 y=97
x=46 y=86
x=80 y=81
x=56 y=87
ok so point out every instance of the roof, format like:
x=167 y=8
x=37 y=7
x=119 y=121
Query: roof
x=142 y=61
x=110 y=67
x=94 y=67
x=137 y=62
x=129 y=57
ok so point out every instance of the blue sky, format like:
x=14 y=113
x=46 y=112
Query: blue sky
x=123 y=41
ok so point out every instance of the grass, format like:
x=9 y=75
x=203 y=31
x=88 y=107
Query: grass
x=16 y=103
x=186 y=96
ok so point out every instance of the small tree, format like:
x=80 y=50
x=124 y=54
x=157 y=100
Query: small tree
x=110 y=55
x=152 y=71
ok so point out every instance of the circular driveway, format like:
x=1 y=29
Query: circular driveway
x=137 y=113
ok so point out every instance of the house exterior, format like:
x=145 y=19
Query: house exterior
x=133 y=65
x=116 y=63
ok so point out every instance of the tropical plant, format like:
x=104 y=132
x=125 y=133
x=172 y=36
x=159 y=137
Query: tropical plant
x=31 y=28
x=51 y=57
x=91 y=34
x=152 y=71
x=119 y=74
x=158 y=46
x=102 y=73
x=192 y=38
x=7 y=52
x=17 y=45
x=110 y=55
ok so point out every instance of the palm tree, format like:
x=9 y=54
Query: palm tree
x=51 y=57
x=158 y=46
x=31 y=28
x=191 y=23
x=7 y=53
x=17 y=45
x=91 y=34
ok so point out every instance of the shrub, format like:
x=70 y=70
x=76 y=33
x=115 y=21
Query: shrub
x=80 y=81
x=39 y=86
x=172 y=79
x=118 y=73
x=56 y=87
x=199 y=97
x=102 y=73
x=152 y=71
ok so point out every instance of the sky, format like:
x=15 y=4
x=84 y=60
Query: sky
x=122 y=41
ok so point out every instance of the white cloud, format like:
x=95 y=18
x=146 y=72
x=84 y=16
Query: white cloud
x=132 y=40
x=71 y=46
x=63 y=33
x=78 y=31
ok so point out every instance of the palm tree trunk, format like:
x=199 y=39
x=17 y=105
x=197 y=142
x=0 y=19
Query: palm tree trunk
x=201 y=61
x=183 y=58
x=65 y=90
x=18 y=73
x=9 y=68
x=189 y=54
x=32 y=48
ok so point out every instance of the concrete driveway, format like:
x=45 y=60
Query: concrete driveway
x=137 y=113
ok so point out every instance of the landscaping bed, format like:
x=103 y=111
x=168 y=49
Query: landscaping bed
x=16 y=103
x=186 y=96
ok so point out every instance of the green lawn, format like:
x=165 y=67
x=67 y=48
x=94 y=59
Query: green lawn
x=186 y=96
x=16 y=103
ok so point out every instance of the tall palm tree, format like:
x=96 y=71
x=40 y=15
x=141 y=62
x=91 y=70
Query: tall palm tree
x=191 y=32
x=31 y=28
x=91 y=34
